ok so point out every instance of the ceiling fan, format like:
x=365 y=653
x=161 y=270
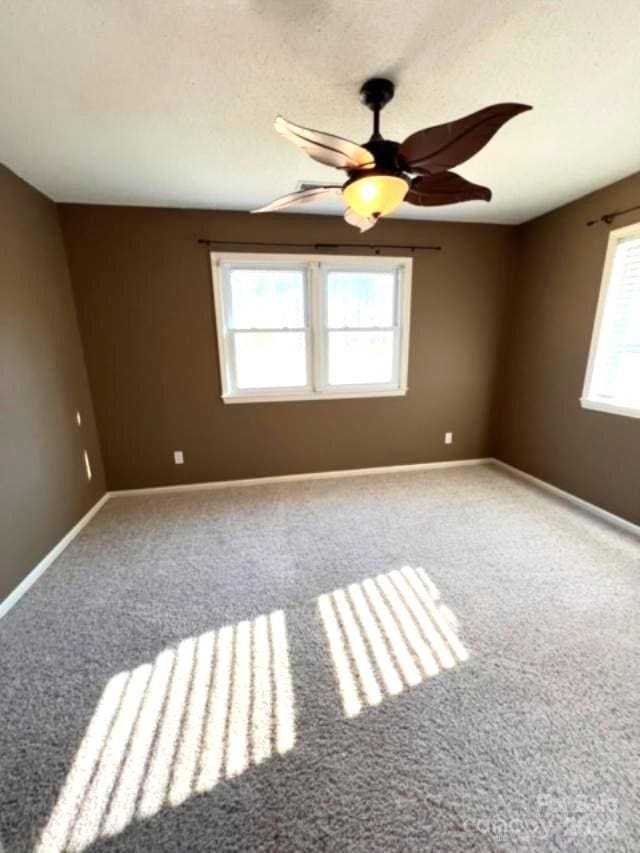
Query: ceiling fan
x=382 y=173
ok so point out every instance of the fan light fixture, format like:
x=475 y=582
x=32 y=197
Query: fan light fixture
x=383 y=173
x=375 y=195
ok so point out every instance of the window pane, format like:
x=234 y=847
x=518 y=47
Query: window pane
x=270 y=359
x=360 y=299
x=360 y=358
x=267 y=299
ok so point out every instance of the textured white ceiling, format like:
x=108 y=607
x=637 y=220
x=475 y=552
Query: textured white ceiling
x=171 y=102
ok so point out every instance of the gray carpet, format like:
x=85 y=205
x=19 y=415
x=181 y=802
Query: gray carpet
x=444 y=660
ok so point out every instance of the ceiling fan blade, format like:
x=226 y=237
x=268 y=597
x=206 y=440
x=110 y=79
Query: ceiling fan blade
x=436 y=149
x=325 y=147
x=445 y=188
x=301 y=197
x=364 y=223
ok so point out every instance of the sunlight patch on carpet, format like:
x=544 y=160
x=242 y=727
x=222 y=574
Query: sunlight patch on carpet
x=386 y=634
x=201 y=713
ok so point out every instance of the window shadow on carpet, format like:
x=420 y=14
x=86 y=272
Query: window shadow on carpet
x=221 y=704
x=201 y=713
x=387 y=634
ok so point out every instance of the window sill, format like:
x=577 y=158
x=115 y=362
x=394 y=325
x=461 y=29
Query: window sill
x=611 y=408
x=307 y=396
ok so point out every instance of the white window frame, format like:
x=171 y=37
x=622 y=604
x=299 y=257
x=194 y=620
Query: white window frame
x=315 y=266
x=616 y=237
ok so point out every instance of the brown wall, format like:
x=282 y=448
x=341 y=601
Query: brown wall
x=539 y=424
x=43 y=382
x=143 y=290
x=143 y=293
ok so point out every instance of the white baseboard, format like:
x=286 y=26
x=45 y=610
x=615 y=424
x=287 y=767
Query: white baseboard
x=16 y=594
x=290 y=478
x=592 y=509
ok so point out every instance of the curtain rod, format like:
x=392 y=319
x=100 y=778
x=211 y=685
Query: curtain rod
x=608 y=218
x=202 y=241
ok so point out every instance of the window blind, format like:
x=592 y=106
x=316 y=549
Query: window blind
x=615 y=377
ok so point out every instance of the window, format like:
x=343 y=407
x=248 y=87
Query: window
x=294 y=327
x=612 y=383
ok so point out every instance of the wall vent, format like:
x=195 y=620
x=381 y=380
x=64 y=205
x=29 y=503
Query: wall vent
x=309 y=185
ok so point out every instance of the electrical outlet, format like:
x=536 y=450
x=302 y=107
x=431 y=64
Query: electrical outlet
x=178 y=457
x=448 y=438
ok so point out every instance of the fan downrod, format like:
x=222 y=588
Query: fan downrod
x=376 y=94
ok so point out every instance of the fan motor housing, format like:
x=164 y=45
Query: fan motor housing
x=385 y=154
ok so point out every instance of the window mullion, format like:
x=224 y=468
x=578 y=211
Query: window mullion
x=317 y=330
